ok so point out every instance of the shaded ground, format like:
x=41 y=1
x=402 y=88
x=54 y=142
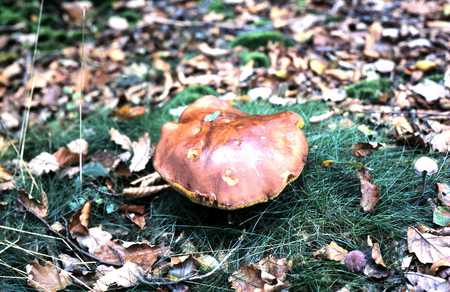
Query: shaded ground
x=369 y=71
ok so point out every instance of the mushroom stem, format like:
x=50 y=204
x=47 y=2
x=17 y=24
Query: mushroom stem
x=424 y=182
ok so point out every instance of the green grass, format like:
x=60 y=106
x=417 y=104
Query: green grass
x=255 y=39
x=370 y=90
x=259 y=58
x=322 y=205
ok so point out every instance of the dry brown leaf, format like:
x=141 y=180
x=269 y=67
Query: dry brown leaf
x=140 y=192
x=43 y=163
x=78 y=146
x=4 y=175
x=269 y=274
x=424 y=282
x=39 y=209
x=428 y=247
x=444 y=262
x=135 y=213
x=370 y=193
x=130 y=112
x=65 y=157
x=126 y=276
x=376 y=252
x=143 y=254
x=443 y=193
x=120 y=139
x=441 y=142
x=75 y=10
x=321 y=117
x=332 y=251
x=79 y=222
x=364 y=149
x=47 y=277
x=100 y=244
x=142 y=152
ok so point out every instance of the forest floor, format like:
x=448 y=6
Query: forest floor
x=371 y=79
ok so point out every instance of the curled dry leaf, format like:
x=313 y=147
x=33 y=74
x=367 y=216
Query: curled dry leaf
x=428 y=247
x=130 y=112
x=65 y=157
x=376 y=252
x=269 y=274
x=39 y=209
x=364 y=149
x=120 y=139
x=444 y=262
x=423 y=282
x=6 y=180
x=140 y=192
x=43 y=163
x=135 y=213
x=332 y=251
x=47 y=277
x=142 y=152
x=126 y=276
x=370 y=192
x=79 y=222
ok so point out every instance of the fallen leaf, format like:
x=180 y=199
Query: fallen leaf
x=370 y=193
x=444 y=262
x=269 y=274
x=428 y=247
x=143 y=254
x=373 y=271
x=118 y=23
x=75 y=10
x=4 y=175
x=47 y=277
x=142 y=152
x=43 y=163
x=100 y=244
x=130 y=112
x=79 y=222
x=39 y=209
x=65 y=157
x=321 y=117
x=443 y=193
x=441 y=142
x=364 y=149
x=332 y=251
x=425 y=65
x=441 y=216
x=423 y=282
x=317 y=66
x=120 y=139
x=376 y=252
x=126 y=276
x=78 y=146
x=430 y=90
x=135 y=213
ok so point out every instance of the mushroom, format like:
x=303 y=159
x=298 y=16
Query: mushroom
x=221 y=157
x=425 y=166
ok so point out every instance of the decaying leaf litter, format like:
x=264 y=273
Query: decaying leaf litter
x=371 y=80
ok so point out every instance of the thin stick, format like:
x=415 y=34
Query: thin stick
x=81 y=89
x=24 y=127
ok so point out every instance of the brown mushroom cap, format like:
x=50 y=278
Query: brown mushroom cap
x=221 y=157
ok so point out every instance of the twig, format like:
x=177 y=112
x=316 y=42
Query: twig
x=160 y=281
